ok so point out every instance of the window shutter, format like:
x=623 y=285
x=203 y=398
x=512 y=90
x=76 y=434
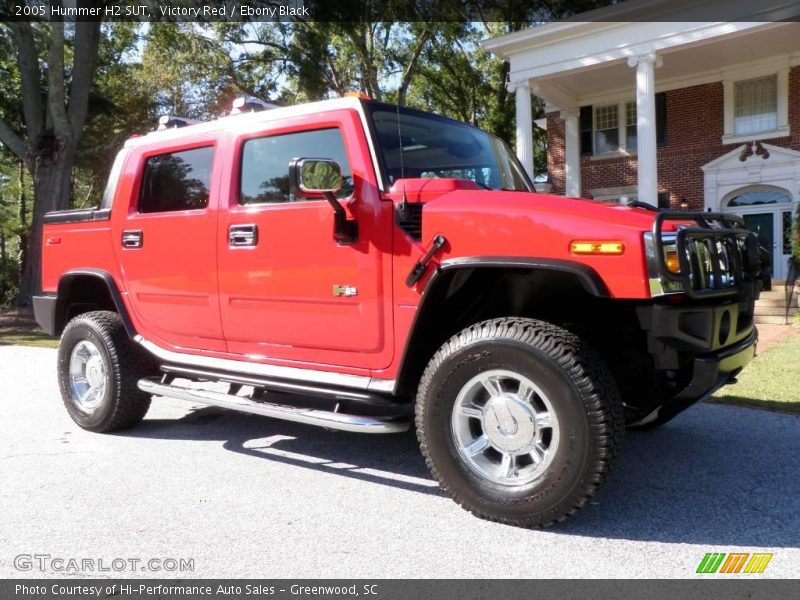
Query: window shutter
x=661 y=118
x=586 y=115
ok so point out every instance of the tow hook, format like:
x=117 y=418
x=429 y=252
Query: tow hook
x=419 y=269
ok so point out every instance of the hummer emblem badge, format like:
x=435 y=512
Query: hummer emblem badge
x=344 y=290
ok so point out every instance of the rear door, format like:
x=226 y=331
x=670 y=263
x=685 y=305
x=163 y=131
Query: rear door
x=287 y=289
x=166 y=244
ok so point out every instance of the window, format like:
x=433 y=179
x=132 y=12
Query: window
x=612 y=127
x=786 y=221
x=265 y=163
x=630 y=125
x=755 y=105
x=176 y=181
x=413 y=143
x=606 y=129
x=762 y=196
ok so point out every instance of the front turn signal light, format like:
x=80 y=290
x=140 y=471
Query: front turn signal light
x=590 y=247
x=672 y=261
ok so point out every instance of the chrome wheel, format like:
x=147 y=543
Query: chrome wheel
x=504 y=427
x=88 y=376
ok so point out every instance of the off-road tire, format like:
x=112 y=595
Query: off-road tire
x=584 y=397
x=123 y=404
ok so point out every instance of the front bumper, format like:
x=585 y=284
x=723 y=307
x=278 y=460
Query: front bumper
x=711 y=372
x=698 y=347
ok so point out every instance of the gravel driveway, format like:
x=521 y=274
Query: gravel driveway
x=246 y=496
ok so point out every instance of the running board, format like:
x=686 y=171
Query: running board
x=320 y=418
x=290 y=387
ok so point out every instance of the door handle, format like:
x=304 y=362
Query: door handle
x=132 y=238
x=243 y=235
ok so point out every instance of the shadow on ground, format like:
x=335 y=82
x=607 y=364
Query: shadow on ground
x=716 y=475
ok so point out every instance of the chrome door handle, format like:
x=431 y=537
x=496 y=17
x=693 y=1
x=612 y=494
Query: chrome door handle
x=243 y=235
x=132 y=238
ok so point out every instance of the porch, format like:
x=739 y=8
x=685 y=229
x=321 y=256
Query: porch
x=700 y=114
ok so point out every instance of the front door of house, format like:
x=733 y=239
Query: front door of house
x=762 y=224
x=767 y=211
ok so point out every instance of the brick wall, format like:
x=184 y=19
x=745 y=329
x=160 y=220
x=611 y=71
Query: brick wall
x=693 y=138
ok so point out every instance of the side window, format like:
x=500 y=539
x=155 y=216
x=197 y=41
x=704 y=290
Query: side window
x=265 y=163
x=176 y=181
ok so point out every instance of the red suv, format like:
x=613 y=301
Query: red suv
x=360 y=266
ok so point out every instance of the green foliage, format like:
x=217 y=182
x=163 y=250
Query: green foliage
x=195 y=70
x=796 y=236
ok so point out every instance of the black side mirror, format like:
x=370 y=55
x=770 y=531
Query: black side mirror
x=322 y=177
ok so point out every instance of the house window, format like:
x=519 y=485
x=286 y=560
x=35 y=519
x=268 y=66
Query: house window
x=611 y=128
x=630 y=125
x=606 y=129
x=755 y=105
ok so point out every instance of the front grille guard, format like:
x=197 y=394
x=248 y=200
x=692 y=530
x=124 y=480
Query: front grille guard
x=717 y=256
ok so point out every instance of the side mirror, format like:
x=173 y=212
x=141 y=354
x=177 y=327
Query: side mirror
x=315 y=177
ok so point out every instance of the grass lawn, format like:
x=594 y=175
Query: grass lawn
x=771 y=381
x=18 y=327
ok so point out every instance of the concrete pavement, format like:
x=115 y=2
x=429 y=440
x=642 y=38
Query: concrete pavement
x=245 y=496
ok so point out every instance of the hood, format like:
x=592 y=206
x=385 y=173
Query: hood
x=480 y=223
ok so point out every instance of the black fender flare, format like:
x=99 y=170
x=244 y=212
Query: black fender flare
x=51 y=310
x=589 y=279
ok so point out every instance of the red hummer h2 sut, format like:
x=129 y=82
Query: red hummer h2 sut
x=363 y=267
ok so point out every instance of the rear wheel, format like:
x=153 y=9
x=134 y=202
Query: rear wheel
x=519 y=421
x=98 y=369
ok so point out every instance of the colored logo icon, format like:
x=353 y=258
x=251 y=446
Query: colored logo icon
x=734 y=562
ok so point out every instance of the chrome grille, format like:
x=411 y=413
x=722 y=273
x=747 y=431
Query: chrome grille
x=717 y=255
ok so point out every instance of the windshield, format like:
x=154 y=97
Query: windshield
x=434 y=146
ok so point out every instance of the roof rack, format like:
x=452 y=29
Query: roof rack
x=248 y=104
x=170 y=122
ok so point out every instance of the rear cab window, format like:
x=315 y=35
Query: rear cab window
x=176 y=181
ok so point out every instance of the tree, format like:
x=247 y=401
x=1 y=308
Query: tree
x=46 y=130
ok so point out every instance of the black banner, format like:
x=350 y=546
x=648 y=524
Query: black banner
x=536 y=11
x=387 y=589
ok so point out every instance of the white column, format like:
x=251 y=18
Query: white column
x=572 y=153
x=524 y=126
x=646 y=141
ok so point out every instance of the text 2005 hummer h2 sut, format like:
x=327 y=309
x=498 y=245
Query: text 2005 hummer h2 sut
x=363 y=267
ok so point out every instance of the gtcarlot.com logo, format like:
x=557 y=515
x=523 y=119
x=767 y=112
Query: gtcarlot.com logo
x=71 y=564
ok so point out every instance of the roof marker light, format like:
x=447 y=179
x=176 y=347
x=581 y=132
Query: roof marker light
x=360 y=95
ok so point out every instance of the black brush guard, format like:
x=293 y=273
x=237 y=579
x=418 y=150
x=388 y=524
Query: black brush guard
x=717 y=255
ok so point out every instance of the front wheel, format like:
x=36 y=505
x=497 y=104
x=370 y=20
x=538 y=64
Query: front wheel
x=519 y=421
x=98 y=370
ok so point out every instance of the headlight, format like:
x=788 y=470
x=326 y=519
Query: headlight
x=660 y=286
x=671 y=259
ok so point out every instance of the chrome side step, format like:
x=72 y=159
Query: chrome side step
x=321 y=418
x=310 y=389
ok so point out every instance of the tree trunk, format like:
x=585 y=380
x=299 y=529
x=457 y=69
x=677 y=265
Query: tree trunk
x=22 y=216
x=51 y=192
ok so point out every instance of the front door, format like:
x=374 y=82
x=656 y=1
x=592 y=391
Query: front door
x=762 y=224
x=288 y=291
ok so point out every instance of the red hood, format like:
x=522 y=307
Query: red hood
x=482 y=223
x=462 y=195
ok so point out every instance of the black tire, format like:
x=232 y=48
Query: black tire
x=120 y=403
x=582 y=394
